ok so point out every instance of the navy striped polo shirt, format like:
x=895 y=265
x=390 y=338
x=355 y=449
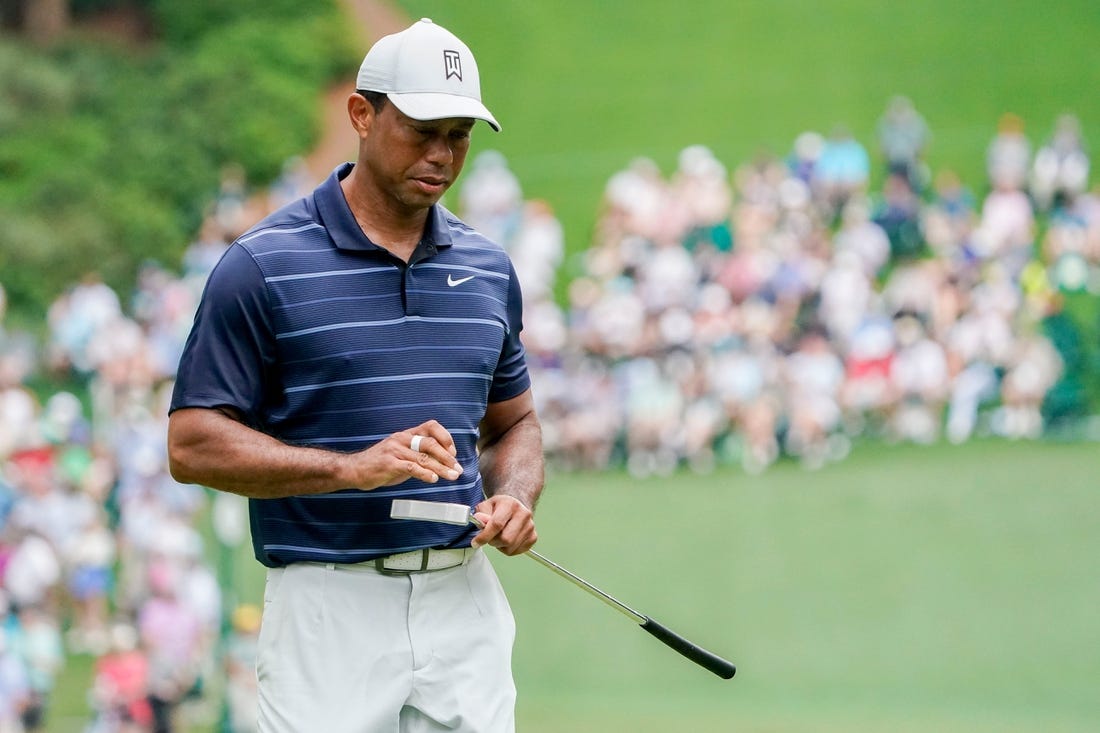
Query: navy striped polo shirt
x=321 y=338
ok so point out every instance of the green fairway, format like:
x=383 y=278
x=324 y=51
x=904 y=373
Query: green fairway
x=581 y=87
x=948 y=589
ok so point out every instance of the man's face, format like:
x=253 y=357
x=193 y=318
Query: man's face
x=414 y=162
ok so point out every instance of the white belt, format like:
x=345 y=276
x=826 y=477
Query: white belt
x=421 y=561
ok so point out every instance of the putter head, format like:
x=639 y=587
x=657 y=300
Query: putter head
x=430 y=511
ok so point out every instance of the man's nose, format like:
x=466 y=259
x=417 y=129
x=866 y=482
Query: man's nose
x=440 y=150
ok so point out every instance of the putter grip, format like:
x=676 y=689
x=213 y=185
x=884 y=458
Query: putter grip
x=697 y=654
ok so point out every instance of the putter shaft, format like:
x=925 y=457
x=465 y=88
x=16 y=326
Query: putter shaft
x=638 y=618
x=618 y=605
x=699 y=655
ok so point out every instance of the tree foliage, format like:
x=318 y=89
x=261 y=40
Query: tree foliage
x=110 y=155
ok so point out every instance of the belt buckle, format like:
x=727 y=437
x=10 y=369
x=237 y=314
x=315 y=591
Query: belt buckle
x=425 y=556
x=380 y=565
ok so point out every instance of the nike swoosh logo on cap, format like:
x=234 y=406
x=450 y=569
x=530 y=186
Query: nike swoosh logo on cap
x=452 y=282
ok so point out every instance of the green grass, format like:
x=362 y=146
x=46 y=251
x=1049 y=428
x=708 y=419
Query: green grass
x=582 y=87
x=903 y=589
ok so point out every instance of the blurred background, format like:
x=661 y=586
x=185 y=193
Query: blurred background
x=812 y=300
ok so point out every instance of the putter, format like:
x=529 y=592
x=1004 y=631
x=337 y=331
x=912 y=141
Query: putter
x=460 y=514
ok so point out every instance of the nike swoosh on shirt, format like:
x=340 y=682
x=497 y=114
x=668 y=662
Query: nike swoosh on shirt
x=452 y=282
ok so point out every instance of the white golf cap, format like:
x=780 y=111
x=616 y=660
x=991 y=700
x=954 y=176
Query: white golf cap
x=427 y=72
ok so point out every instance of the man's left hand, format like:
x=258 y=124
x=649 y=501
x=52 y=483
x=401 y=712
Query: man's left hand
x=509 y=525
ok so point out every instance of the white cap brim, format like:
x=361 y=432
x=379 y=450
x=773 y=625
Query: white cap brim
x=437 y=106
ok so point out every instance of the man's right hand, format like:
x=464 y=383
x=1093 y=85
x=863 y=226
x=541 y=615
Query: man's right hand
x=393 y=460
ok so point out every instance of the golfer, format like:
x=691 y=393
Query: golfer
x=357 y=346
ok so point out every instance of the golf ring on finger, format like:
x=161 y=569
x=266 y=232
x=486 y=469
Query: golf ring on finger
x=415 y=442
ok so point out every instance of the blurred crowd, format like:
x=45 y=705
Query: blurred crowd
x=781 y=309
x=100 y=554
x=788 y=307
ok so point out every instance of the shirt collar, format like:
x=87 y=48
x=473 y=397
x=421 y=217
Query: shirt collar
x=345 y=230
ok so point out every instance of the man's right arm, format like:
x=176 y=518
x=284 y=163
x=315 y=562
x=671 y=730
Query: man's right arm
x=225 y=367
x=212 y=447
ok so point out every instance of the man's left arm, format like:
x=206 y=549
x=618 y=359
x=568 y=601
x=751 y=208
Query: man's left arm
x=512 y=473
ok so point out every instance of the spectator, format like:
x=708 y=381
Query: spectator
x=36 y=640
x=294 y=181
x=18 y=407
x=1060 y=172
x=903 y=137
x=920 y=380
x=813 y=376
x=1066 y=247
x=15 y=689
x=700 y=189
x=1009 y=154
x=653 y=405
x=634 y=203
x=1066 y=402
x=491 y=199
x=537 y=248
x=804 y=155
x=743 y=376
x=1033 y=369
x=869 y=395
x=231 y=206
x=76 y=318
x=120 y=685
x=202 y=254
x=1007 y=227
x=90 y=559
x=170 y=632
x=865 y=238
x=32 y=572
x=948 y=221
x=846 y=297
x=898 y=214
x=242 y=706
x=842 y=170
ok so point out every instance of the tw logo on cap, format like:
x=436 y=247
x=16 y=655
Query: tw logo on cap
x=452 y=64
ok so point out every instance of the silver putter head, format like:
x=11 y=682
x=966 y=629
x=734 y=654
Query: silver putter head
x=430 y=511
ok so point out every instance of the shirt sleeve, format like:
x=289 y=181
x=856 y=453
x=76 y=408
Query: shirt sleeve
x=229 y=356
x=511 y=378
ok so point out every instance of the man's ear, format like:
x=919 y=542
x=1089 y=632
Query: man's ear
x=361 y=113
